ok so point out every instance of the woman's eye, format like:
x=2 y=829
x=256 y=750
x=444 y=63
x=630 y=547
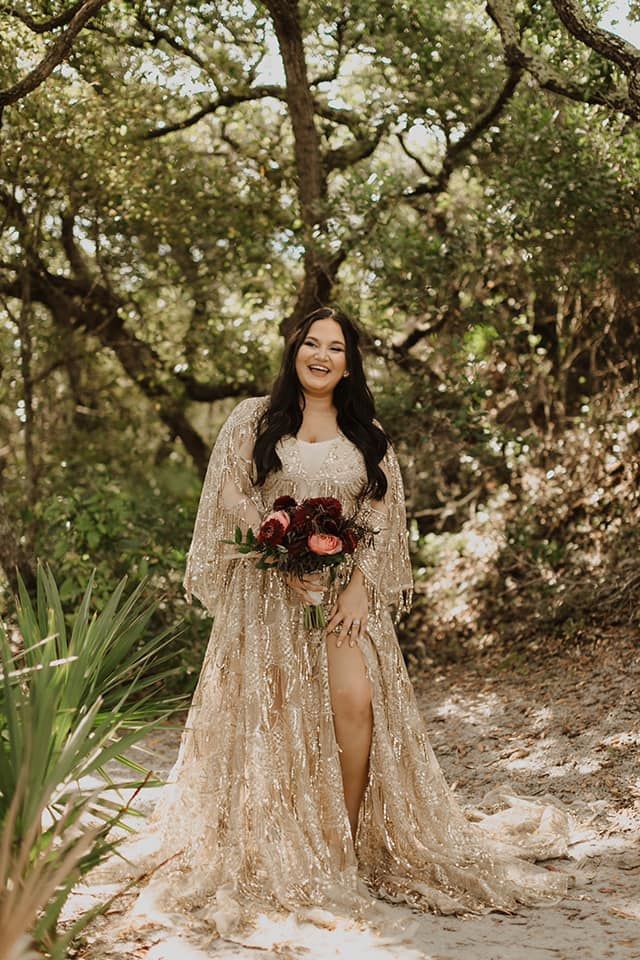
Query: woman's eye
x=310 y=343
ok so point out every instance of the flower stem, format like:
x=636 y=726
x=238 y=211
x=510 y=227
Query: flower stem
x=314 y=617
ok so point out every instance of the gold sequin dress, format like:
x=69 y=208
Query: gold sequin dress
x=255 y=800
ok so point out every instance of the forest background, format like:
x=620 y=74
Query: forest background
x=180 y=181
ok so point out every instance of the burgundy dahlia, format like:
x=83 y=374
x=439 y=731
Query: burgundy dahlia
x=301 y=518
x=271 y=533
x=325 y=505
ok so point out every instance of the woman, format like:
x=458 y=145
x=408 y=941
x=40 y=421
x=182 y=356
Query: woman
x=305 y=777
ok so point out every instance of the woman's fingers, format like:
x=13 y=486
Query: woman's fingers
x=358 y=630
x=301 y=586
x=344 y=632
x=354 y=629
x=349 y=628
x=342 y=625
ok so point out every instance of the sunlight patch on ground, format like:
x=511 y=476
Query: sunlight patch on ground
x=343 y=940
x=622 y=739
x=623 y=821
x=323 y=934
x=542 y=717
x=482 y=709
x=175 y=948
x=588 y=765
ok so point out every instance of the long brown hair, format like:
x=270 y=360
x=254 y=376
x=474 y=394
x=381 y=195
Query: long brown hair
x=351 y=396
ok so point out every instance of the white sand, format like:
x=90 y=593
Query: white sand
x=571 y=730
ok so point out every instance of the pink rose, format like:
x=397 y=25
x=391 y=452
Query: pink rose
x=281 y=516
x=324 y=544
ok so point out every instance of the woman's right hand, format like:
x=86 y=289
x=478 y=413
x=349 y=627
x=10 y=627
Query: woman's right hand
x=301 y=585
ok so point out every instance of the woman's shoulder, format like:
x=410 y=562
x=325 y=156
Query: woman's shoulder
x=251 y=404
x=248 y=410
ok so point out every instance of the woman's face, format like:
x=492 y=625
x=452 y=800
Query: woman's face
x=323 y=347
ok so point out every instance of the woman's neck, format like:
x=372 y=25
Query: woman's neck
x=319 y=406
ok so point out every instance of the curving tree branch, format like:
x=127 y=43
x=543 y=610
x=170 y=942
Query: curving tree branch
x=624 y=98
x=42 y=26
x=224 y=100
x=58 y=51
x=607 y=44
x=354 y=151
x=457 y=150
x=336 y=115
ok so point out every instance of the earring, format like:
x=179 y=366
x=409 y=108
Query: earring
x=345 y=374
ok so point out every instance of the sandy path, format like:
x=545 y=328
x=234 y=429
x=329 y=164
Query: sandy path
x=570 y=729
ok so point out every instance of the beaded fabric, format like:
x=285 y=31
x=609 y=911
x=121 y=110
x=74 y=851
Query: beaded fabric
x=254 y=807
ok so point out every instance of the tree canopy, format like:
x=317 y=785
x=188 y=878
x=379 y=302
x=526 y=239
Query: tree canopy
x=180 y=181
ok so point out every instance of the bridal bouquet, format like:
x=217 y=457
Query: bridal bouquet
x=302 y=538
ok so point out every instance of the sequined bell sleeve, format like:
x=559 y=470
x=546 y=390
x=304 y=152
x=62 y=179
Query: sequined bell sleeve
x=386 y=563
x=228 y=500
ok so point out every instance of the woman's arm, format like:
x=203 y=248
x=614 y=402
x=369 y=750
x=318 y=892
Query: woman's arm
x=228 y=500
x=384 y=566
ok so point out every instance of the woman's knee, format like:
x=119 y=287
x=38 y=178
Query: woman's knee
x=352 y=701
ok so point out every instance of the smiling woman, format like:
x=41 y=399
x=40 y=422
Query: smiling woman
x=305 y=782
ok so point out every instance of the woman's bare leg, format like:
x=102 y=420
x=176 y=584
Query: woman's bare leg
x=353 y=721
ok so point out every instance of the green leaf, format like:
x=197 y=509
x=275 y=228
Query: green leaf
x=93 y=539
x=70 y=706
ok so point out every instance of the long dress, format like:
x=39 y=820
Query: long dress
x=254 y=807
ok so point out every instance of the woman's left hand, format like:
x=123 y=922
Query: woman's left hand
x=348 y=615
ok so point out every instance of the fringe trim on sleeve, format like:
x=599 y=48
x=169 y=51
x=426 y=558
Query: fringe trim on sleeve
x=208 y=568
x=386 y=565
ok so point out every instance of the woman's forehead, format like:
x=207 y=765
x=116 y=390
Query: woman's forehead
x=327 y=329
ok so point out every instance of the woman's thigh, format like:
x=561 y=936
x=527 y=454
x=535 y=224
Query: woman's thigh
x=351 y=690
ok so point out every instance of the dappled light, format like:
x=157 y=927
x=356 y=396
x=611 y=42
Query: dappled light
x=182 y=186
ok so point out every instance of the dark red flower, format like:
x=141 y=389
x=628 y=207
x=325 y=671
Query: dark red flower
x=349 y=541
x=271 y=533
x=330 y=526
x=325 y=505
x=301 y=518
x=284 y=503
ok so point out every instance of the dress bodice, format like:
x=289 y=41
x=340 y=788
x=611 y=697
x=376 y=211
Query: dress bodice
x=331 y=468
x=313 y=455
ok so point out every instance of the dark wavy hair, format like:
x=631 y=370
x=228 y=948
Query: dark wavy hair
x=351 y=396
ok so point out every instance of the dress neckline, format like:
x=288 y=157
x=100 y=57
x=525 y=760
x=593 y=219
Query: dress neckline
x=317 y=443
